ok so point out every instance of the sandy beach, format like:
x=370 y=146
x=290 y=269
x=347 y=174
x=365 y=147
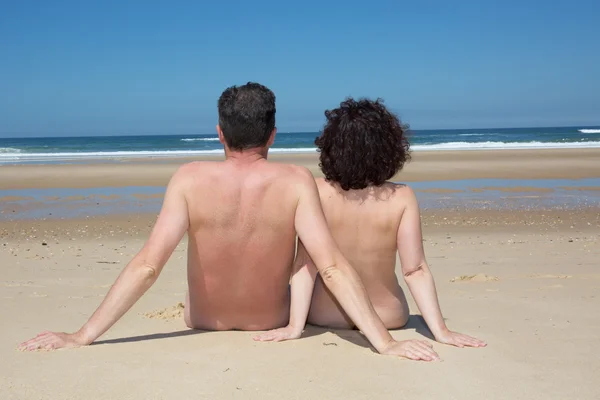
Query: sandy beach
x=515 y=262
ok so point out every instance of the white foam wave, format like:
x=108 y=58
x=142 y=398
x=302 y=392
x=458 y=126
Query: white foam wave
x=589 y=130
x=471 y=134
x=9 y=150
x=209 y=139
x=126 y=154
x=105 y=154
x=504 y=145
x=17 y=156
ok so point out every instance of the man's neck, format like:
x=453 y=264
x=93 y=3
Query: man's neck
x=248 y=156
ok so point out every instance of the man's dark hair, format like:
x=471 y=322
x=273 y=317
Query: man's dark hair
x=362 y=144
x=247 y=115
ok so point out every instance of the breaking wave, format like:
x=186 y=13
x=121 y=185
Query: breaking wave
x=209 y=139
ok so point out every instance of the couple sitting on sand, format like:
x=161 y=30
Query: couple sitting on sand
x=243 y=215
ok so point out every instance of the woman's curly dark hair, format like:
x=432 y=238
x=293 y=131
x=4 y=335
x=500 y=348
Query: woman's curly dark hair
x=362 y=144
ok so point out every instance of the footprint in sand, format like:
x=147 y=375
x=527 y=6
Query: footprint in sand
x=167 y=314
x=475 y=278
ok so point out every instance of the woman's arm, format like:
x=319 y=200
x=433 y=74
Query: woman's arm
x=418 y=277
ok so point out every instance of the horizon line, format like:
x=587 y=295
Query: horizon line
x=54 y=135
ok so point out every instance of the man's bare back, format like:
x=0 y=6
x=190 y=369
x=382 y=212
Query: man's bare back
x=364 y=223
x=241 y=243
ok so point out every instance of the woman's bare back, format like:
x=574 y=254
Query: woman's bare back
x=364 y=224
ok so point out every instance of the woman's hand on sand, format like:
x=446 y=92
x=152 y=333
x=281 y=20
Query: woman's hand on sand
x=279 y=335
x=459 y=340
x=52 y=341
x=418 y=350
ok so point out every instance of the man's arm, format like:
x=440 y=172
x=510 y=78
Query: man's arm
x=418 y=277
x=301 y=287
x=137 y=277
x=341 y=279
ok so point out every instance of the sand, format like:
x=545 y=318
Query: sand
x=527 y=282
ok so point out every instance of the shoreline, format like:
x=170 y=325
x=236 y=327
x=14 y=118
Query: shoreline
x=169 y=155
x=424 y=166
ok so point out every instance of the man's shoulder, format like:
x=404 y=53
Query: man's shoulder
x=321 y=181
x=295 y=178
x=292 y=171
x=188 y=171
x=324 y=186
x=193 y=167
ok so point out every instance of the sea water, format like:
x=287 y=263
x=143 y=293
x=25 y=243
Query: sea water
x=87 y=148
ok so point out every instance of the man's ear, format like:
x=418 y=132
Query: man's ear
x=272 y=138
x=221 y=137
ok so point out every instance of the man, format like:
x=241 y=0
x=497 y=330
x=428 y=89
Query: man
x=241 y=216
x=361 y=147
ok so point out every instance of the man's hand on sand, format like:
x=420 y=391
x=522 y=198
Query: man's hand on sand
x=279 y=335
x=52 y=341
x=418 y=350
x=459 y=340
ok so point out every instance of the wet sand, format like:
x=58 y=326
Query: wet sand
x=525 y=279
x=458 y=195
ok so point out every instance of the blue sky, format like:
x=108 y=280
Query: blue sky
x=135 y=67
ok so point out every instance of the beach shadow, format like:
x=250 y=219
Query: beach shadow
x=353 y=336
x=153 y=336
x=415 y=322
x=313 y=330
x=419 y=325
x=308 y=332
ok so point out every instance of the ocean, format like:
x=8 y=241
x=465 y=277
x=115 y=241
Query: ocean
x=86 y=148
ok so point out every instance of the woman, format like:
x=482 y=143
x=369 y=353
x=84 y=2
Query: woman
x=361 y=147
